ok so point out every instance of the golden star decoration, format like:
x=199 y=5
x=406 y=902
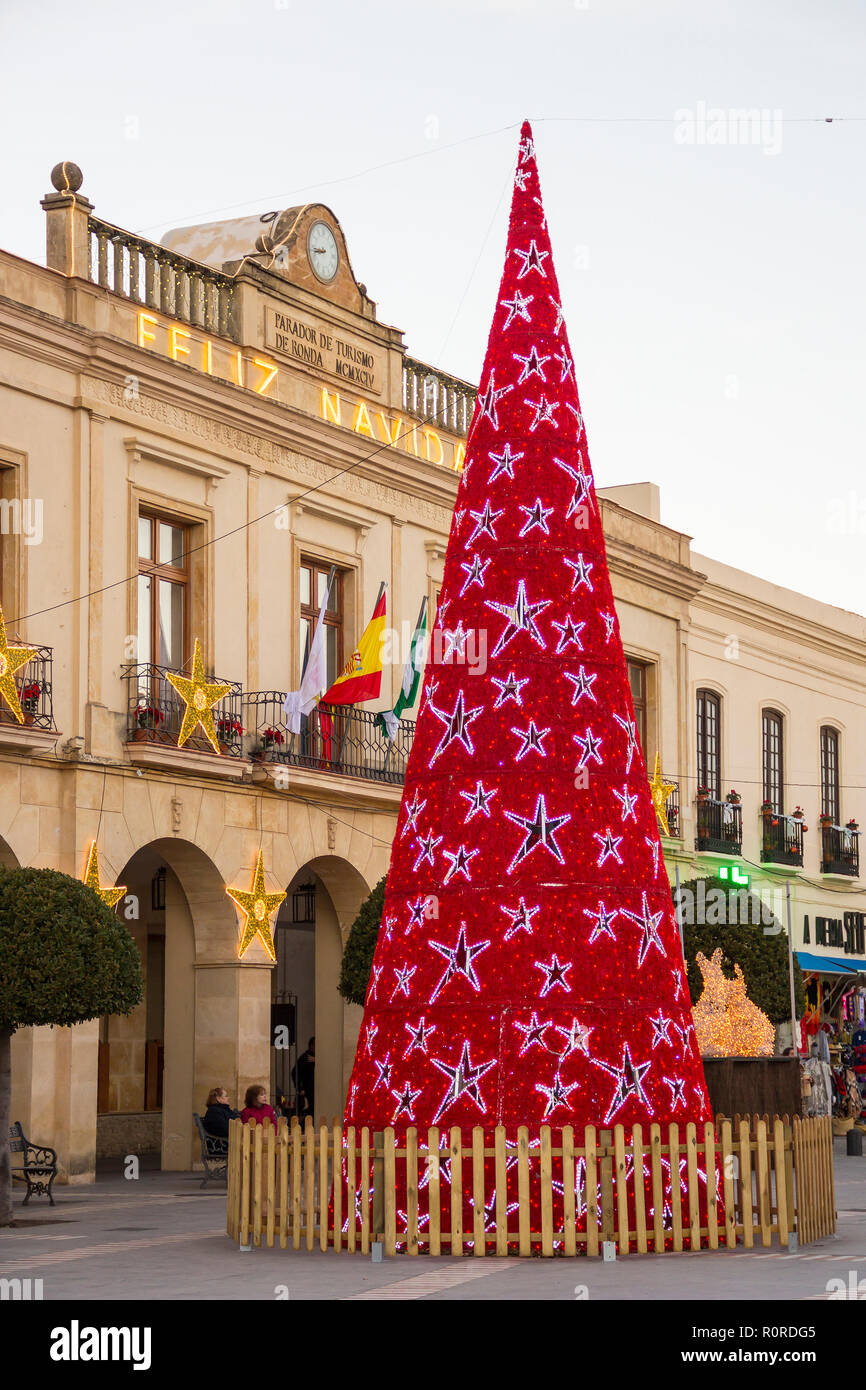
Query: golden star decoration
x=660 y=790
x=110 y=896
x=257 y=906
x=199 y=696
x=11 y=660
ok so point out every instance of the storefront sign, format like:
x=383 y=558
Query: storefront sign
x=846 y=933
x=323 y=348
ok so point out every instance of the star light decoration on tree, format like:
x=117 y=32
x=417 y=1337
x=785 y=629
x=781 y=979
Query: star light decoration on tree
x=533 y=967
x=110 y=896
x=199 y=696
x=257 y=907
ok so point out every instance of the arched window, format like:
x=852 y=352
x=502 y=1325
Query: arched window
x=772 y=730
x=709 y=728
x=830 y=774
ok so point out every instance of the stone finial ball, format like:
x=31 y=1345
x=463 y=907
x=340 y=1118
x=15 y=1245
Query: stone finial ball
x=264 y=243
x=66 y=177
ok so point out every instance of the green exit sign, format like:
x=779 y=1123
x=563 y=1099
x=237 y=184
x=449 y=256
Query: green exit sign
x=731 y=873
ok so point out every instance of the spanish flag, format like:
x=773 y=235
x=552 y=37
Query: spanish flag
x=361 y=677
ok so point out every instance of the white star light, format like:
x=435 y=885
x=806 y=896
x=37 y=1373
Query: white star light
x=404 y=974
x=521 y=918
x=582 y=571
x=427 y=845
x=417 y=911
x=582 y=683
x=609 y=620
x=459 y=860
x=678 y=981
x=384 y=1068
x=589 y=746
x=557 y=1094
x=631 y=735
x=533 y=1032
x=626 y=801
x=544 y=413
x=474 y=573
x=405 y=1102
x=479 y=802
x=609 y=847
x=518 y=307
x=559 y=314
x=456 y=725
x=484 y=522
x=533 y=259
x=509 y=689
x=464 y=1080
x=540 y=830
x=555 y=972
x=536 y=516
x=603 y=922
x=570 y=637
x=527 y=152
x=649 y=924
x=678 y=1090
x=533 y=741
x=521 y=618
x=504 y=463
x=533 y=364
x=374 y=981
x=629 y=1078
x=520 y=177
x=566 y=365
x=413 y=811
x=660 y=1027
x=460 y=958
x=576 y=1038
x=582 y=488
x=456 y=637
x=489 y=400
x=578 y=428
x=371 y=1035
x=654 y=847
x=418 y=1036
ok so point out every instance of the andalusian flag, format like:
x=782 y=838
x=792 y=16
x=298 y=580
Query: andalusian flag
x=361 y=677
x=389 y=719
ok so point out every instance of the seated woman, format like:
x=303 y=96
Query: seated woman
x=256 y=1107
x=218 y=1113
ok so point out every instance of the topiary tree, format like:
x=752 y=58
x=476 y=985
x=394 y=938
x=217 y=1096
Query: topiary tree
x=717 y=914
x=361 y=943
x=64 y=958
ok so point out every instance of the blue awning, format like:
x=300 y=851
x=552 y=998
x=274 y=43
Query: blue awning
x=831 y=965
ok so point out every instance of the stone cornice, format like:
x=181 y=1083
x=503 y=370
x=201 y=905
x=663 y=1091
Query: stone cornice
x=744 y=611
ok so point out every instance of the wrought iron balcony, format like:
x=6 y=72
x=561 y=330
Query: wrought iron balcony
x=840 y=850
x=34 y=685
x=343 y=739
x=672 y=808
x=781 y=839
x=155 y=712
x=720 y=826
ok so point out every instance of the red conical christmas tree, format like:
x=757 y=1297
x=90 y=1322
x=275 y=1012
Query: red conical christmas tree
x=528 y=969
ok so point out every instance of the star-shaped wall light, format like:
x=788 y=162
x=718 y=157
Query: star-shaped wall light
x=199 y=696
x=11 y=660
x=257 y=906
x=660 y=790
x=110 y=896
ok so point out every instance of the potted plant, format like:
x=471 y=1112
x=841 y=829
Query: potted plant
x=733 y=797
x=851 y=825
x=29 y=697
x=229 y=732
x=766 y=808
x=147 y=718
x=798 y=813
x=825 y=819
x=271 y=739
x=702 y=793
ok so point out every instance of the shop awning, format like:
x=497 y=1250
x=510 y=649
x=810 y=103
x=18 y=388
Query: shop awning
x=831 y=965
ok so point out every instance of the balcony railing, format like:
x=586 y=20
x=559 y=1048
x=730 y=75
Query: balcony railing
x=34 y=686
x=781 y=839
x=155 y=712
x=672 y=808
x=340 y=739
x=840 y=850
x=156 y=278
x=433 y=395
x=720 y=826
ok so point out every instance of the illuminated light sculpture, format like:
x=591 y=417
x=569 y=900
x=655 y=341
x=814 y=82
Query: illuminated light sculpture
x=110 y=896
x=11 y=660
x=257 y=906
x=537 y=946
x=660 y=790
x=199 y=696
x=727 y=1023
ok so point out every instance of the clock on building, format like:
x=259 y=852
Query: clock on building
x=322 y=251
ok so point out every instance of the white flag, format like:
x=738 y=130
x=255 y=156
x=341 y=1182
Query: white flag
x=315 y=678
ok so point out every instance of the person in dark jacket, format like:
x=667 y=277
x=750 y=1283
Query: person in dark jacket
x=305 y=1080
x=218 y=1113
x=256 y=1107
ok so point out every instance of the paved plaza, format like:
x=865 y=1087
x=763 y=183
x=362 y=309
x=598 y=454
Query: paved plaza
x=163 y=1237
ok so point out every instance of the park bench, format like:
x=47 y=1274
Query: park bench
x=37 y=1165
x=214 y=1154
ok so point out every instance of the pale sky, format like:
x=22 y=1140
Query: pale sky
x=713 y=292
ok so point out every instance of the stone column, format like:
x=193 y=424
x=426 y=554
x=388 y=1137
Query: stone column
x=67 y=244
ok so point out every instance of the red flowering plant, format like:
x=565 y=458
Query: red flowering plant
x=29 y=697
x=148 y=716
x=733 y=797
x=798 y=813
x=851 y=825
x=229 y=730
x=271 y=738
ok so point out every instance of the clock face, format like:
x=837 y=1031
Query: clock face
x=322 y=251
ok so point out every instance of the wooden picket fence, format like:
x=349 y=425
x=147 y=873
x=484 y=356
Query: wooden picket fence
x=775 y=1178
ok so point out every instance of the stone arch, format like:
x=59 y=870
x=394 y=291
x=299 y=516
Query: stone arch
x=340 y=890
x=8 y=857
